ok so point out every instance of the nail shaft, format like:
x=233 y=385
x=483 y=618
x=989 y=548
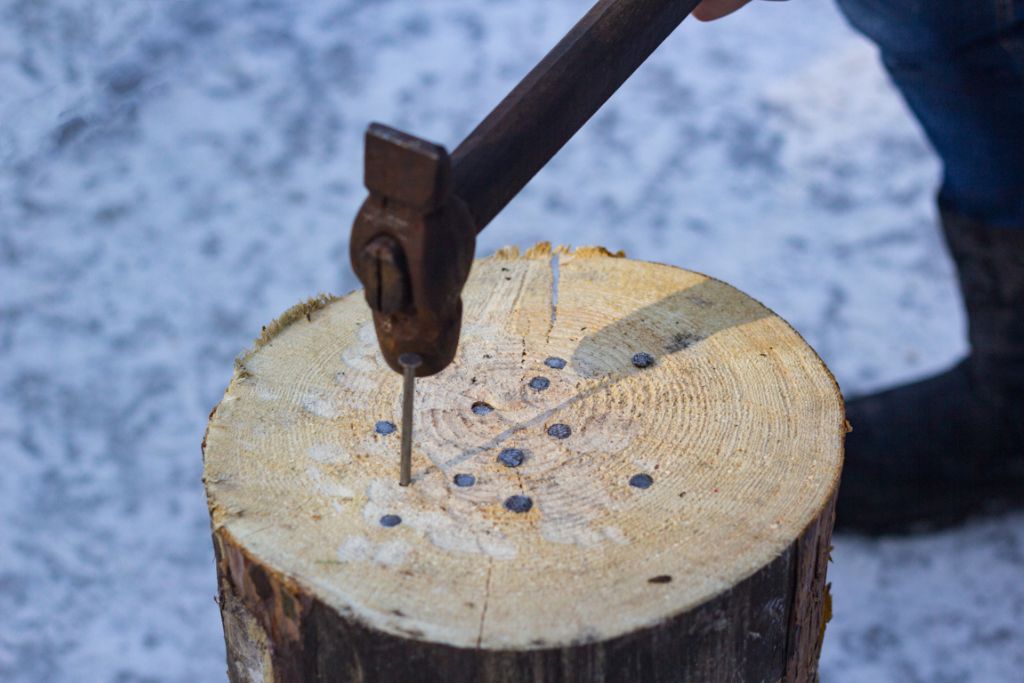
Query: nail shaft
x=409 y=363
x=410 y=383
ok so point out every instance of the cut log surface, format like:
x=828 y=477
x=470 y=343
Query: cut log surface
x=627 y=474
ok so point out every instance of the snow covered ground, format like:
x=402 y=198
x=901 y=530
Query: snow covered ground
x=174 y=174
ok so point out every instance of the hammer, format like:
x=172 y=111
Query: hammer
x=413 y=239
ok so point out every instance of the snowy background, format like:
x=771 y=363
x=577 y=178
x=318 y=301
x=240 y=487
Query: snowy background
x=173 y=175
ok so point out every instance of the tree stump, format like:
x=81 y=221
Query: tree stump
x=627 y=474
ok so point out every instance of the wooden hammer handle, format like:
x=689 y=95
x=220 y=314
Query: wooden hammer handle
x=555 y=99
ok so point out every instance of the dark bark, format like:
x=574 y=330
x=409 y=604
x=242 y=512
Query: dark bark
x=763 y=630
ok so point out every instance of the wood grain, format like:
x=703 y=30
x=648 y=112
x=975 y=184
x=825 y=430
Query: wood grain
x=715 y=571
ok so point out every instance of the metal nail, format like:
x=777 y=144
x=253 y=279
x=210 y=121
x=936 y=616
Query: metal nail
x=642 y=360
x=559 y=431
x=518 y=504
x=641 y=481
x=511 y=457
x=481 y=408
x=409 y=363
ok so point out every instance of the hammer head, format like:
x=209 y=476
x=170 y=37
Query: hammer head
x=412 y=247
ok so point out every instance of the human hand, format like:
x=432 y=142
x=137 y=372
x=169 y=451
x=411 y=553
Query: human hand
x=709 y=10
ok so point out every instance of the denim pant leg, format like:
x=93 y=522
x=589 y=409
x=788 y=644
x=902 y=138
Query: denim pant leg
x=960 y=67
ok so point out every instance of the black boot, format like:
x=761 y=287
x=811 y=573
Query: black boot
x=933 y=453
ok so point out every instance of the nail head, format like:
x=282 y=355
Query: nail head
x=559 y=431
x=384 y=427
x=464 y=480
x=410 y=360
x=641 y=481
x=511 y=457
x=540 y=383
x=518 y=503
x=554 y=362
x=390 y=520
x=642 y=360
x=481 y=408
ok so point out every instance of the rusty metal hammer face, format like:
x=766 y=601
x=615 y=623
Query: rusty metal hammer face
x=412 y=247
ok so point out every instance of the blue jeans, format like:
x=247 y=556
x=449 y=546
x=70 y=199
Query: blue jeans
x=960 y=67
